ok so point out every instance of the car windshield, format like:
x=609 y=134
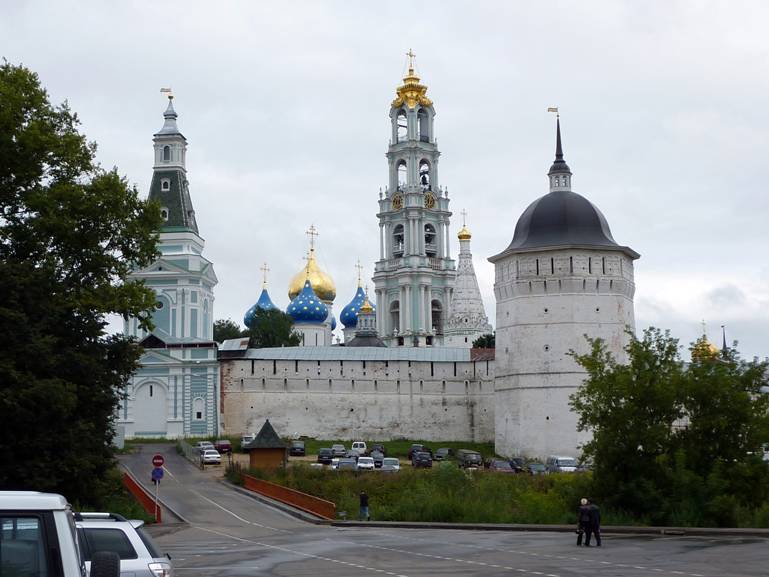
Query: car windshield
x=567 y=463
x=149 y=543
x=298 y=444
x=364 y=460
x=390 y=461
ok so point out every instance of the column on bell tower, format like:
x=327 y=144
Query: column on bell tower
x=414 y=276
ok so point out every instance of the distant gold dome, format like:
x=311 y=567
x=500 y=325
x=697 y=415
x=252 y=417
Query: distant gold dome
x=464 y=234
x=366 y=308
x=703 y=349
x=322 y=284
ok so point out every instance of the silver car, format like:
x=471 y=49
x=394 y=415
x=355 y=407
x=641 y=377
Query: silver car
x=139 y=555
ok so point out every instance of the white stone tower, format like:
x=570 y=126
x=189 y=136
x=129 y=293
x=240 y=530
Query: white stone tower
x=562 y=277
x=468 y=319
x=414 y=276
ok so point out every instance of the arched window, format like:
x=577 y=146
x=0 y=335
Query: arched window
x=424 y=125
x=166 y=153
x=198 y=409
x=431 y=248
x=437 y=310
x=424 y=175
x=402 y=174
x=395 y=316
x=398 y=240
x=164 y=213
x=403 y=126
x=165 y=184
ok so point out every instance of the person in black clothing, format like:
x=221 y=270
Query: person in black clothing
x=583 y=522
x=595 y=524
x=364 y=516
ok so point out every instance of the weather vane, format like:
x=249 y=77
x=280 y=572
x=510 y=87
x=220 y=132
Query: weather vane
x=554 y=109
x=167 y=92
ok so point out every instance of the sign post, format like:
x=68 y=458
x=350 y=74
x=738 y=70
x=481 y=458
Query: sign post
x=157 y=475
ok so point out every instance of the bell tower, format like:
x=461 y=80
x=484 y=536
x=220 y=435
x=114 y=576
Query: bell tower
x=414 y=276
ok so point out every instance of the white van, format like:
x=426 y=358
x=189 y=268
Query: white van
x=360 y=447
x=560 y=464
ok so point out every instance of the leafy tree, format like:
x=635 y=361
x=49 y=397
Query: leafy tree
x=70 y=233
x=484 y=342
x=272 y=328
x=227 y=329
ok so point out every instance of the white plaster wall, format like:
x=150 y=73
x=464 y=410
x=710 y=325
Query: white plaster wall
x=378 y=401
x=546 y=303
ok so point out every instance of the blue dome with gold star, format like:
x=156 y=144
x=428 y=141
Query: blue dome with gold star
x=307 y=307
x=349 y=316
x=264 y=303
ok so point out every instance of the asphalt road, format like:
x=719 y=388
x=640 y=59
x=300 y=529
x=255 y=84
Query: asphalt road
x=230 y=534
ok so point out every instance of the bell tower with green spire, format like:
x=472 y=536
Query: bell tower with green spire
x=415 y=274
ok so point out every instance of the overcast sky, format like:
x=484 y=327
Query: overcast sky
x=285 y=107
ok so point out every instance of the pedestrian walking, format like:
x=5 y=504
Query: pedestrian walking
x=595 y=523
x=364 y=516
x=583 y=522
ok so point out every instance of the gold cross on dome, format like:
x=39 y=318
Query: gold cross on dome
x=360 y=271
x=312 y=232
x=411 y=56
x=265 y=269
x=464 y=217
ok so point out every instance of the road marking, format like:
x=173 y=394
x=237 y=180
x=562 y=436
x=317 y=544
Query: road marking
x=238 y=517
x=301 y=553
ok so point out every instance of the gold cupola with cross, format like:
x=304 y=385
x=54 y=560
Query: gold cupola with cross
x=321 y=282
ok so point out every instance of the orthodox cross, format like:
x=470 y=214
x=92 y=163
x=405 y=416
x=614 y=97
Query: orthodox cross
x=360 y=270
x=312 y=232
x=411 y=56
x=265 y=269
x=464 y=217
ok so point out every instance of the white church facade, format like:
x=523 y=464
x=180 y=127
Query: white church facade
x=406 y=367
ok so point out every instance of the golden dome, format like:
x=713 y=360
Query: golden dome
x=322 y=284
x=464 y=234
x=703 y=349
x=366 y=307
x=411 y=91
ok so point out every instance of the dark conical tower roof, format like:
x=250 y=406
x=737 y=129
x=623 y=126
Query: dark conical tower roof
x=559 y=164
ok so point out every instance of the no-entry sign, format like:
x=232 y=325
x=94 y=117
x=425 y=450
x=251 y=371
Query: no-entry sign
x=158 y=460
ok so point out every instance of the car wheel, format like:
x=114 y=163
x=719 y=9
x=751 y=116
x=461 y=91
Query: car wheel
x=105 y=564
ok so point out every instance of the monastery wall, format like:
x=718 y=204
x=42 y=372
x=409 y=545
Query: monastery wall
x=371 y=400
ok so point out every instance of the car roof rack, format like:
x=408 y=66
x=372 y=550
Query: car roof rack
x=96 y=516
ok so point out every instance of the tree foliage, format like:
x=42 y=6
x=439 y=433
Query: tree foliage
x=227 y=329
x=69 y=234
x=272 y=328
x=484 y=342
x=671 y=440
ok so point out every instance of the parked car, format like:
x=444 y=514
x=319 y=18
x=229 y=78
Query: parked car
x=139 y=555
x=536 y=469
x=352 y=454
x=203 y=446
x=296 y=449
x=415 y=448
x=467 y=458
x=359 y=446
x=422 y=459
x=560 y=464
x=339 y=450
x=500 y=466
x=325 y=455
x=443 y=454
x=366 y=464
x=518 y=464
x=377 y=456
x=334 y=463
x=211 y=457
x=347 y=465
x=246 y=439
x=223 y=446
x=378 y=447
x=390 y=464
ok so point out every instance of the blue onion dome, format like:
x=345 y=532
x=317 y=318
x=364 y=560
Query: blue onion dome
x=264 y=303
x=349 y=316
x=307 y=307
x=333 y=322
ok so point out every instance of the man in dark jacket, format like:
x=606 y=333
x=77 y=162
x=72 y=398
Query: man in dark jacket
x=595 y=524
x=364 y=516
x=583 y=522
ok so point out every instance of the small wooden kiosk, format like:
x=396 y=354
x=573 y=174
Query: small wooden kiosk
x=267 y=450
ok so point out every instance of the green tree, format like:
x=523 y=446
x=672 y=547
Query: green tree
x=227 y=329
x=69 y=234
x=272 y=328
x=484 y=342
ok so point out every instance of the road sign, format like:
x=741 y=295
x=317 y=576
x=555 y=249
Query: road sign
x=157 y=473
x=158 y=460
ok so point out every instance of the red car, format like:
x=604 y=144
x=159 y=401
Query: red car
x=223 y=446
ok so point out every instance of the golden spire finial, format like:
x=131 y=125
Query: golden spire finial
x=411 y=91
x=366 y=306
x=464 y=233
x=411 y=56
x=360 y=270
x=265 y=269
